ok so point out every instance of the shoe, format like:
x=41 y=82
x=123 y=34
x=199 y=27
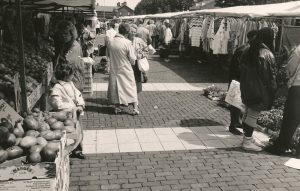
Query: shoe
x=272 y=149
x=135 y=112
x=145 y=79
x=248 y=145
x=118 y=111
x=235 y=131
x=78 y=155
x=167 y=60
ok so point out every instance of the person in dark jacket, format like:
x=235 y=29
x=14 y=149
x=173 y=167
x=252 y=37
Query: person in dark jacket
x=258 y=83
x=291 y=119
x=234 y=74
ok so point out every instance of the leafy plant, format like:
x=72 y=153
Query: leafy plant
x=212 y=91
x=279 y=103
x=271 y=119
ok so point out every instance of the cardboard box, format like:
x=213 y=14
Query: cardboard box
x=8 y=112
x=15 y=175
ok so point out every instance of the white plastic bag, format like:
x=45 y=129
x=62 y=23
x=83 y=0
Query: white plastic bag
x=233 y=96
x=143 y=65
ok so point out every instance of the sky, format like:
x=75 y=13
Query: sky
x=130 y=3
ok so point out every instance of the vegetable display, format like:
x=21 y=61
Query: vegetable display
x=37 y=136
x=36 y=61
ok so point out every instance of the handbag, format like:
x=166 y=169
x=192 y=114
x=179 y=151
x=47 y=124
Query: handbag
x=151 y=49
x=143 y=64
x=233 y=96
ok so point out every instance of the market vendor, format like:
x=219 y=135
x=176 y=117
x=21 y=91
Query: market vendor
x=68 y=47
x=64 y=96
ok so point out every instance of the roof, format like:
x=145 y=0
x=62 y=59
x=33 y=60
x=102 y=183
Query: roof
x=124 y=6
x=105 y=8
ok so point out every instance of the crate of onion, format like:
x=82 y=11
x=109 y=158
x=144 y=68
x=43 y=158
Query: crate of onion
x=34 y=152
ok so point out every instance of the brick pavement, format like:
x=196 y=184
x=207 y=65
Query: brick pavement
x=179 y=71
x=214 y=169
x=222 y=169
x=166 y=109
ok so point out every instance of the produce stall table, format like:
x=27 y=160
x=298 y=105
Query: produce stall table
x=51 y=169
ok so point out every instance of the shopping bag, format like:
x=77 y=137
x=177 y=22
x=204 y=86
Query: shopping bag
x=233 y=96
x=143 y=64
x=151 y=49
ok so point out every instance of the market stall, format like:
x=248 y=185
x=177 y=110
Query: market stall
x=25 y=80
x=34 y=148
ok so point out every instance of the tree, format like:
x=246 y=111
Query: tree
x=155 y=6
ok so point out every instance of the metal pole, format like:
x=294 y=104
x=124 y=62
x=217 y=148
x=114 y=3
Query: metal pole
x=281 y=35
x=21 y=56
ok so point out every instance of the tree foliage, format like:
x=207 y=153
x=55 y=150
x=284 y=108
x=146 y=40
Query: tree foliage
x=162 y=6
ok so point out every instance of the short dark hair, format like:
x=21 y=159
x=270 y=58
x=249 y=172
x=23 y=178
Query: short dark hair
x=112 y=25
x=63 y=69
x=252 y=34
x=124 y=28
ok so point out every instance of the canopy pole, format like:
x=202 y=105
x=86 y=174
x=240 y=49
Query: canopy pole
x=21 y=56
x=281 y=35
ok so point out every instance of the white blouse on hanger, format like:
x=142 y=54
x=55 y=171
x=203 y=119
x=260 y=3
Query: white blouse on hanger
x=220 y=42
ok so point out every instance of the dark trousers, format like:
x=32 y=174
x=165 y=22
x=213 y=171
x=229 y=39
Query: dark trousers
x=195 y=53
x=291 y=118
x=155 y=41
x=167 y=51
x=234 y=116
x=138 y=77
x=78 y=149
x=248 y=130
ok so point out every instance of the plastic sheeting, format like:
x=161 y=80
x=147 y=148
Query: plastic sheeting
x=288 y=9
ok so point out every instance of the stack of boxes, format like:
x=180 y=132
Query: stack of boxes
x=88 y=75
x=88 y=79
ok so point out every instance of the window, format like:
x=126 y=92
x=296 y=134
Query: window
x=128 y=14
x=120 y=13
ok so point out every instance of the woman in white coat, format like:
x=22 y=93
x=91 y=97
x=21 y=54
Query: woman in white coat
x=122 y=88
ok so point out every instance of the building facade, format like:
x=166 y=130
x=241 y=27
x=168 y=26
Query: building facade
x=110 y=12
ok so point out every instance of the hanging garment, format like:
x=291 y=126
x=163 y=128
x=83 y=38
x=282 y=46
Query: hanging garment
x=210 y=34
x=233 y=32
x=183 y=36
x=195 y=35
x=220 y=42
x=205 y=27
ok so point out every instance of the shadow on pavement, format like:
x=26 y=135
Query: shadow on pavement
x=97 y=109
x=198 y=123
x=189 y=70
